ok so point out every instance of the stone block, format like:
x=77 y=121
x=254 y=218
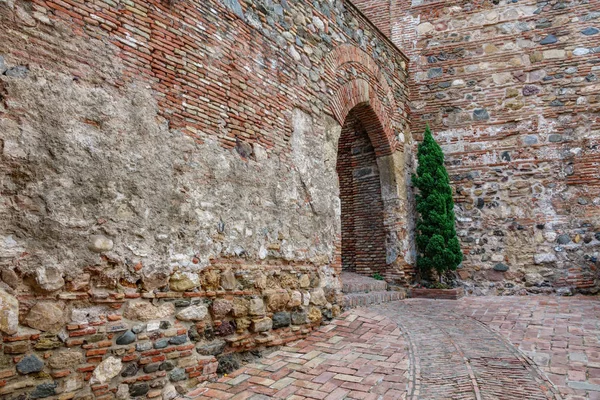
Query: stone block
x=9 y=313
x=277 y=300
x=262 y=325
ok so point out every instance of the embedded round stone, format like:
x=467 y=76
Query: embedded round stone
x=501 y=267
x=139 y=389
x=563 y=239
x=481 y=114
x=550 y=39
x=177 y=374
x=181 y=339
x=281 y=320
x=590 y=31
x=43 y=390
x=100 y=244
x=212 y=349
x=30 y=364
x=126 y=338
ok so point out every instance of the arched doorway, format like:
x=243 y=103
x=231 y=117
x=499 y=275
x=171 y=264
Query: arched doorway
x=363 y=247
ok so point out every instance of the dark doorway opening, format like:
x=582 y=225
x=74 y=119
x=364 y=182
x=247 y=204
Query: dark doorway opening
x=363 y=233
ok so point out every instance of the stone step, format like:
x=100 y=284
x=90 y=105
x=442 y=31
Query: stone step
x=354 y=283
x=353 y=300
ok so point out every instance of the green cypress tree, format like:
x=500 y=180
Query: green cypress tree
x=437 y=244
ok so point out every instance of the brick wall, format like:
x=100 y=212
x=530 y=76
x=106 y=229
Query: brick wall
x=169 y=188
x=363 y=233
x=510 y=90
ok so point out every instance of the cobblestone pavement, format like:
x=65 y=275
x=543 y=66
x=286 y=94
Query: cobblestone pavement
x=474 y=348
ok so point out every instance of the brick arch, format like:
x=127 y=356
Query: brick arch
x=359 y=94
x=347 y=53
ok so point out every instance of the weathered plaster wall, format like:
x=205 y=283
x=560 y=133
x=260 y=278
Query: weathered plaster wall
x=511 y=92
x=168 y=185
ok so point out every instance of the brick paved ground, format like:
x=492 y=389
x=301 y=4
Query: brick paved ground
x=474 y=348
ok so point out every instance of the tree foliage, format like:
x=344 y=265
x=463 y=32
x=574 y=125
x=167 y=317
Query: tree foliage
x=437 y=244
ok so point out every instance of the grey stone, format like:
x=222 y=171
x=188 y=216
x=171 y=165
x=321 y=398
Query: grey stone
x=2 y=65
x=584 y=386
x=211 y=349
x=550 y=39
x=138 y=328
x=435 y=73
x=587 y=31
x=235 y=7
x=481 y=114
x=30 y=364
x=555 y=138
x=181 y=339
x=161 y=343
x=43 y=390
x=563 y=239
x=150 y=368
x=164 y=325
x=564 y=291
x=597 y=235
x=144 y=346
x=299 y=317
x=17 y=72
x=281 y=320
x=530 y=139
x=501 y=267
x=167 y=366
x=126 y=338
x=557 y=103
x=177 y=374
x=139 y=389
x=590 y=16
x=530 y=90
x=130 y=370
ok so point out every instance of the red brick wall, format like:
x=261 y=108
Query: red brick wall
x=363 y=232
x=378 y=12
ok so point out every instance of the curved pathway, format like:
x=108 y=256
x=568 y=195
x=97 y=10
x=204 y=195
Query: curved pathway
x=474 y=348
x=457 y=357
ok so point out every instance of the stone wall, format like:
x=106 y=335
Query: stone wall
x=511 y=91
x=168 y=184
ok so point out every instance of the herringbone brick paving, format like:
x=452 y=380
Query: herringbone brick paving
x=474 y=348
